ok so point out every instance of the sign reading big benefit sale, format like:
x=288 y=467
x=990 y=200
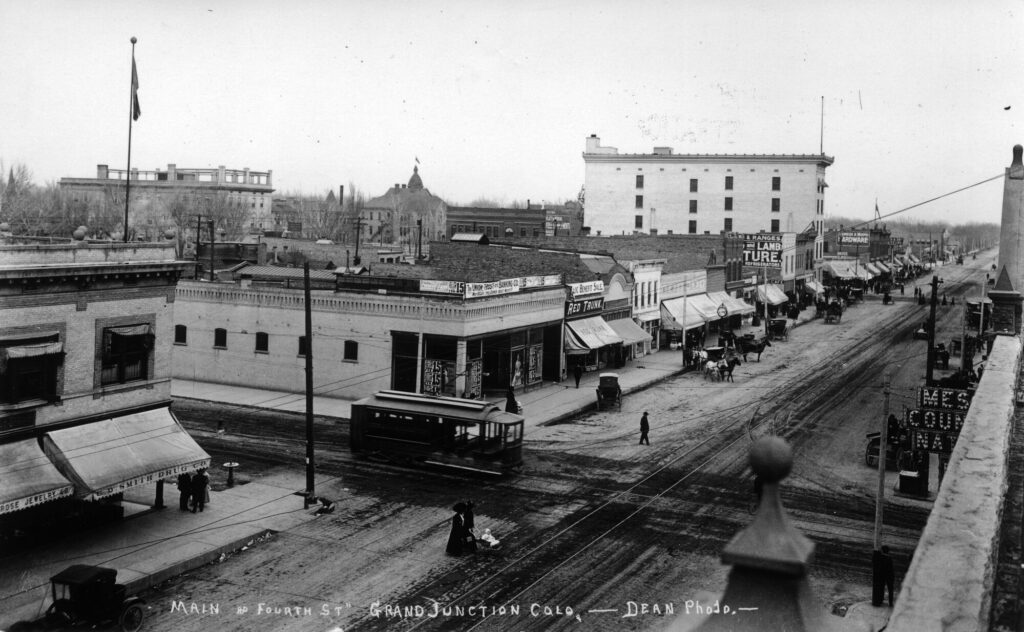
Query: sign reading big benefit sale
x=761 y=250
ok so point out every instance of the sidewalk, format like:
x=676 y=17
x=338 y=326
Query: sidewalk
x=153 y=546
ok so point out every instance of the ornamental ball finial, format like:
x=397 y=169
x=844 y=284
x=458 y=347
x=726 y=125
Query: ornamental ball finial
x=771 y=458
x=133 y=39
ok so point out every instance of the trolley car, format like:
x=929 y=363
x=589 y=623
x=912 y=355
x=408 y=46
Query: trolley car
x=414 y=429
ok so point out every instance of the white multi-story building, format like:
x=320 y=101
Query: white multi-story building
x=667 y=193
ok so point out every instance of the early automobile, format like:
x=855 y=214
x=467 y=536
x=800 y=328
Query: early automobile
x=89 y=597
x=608 y=391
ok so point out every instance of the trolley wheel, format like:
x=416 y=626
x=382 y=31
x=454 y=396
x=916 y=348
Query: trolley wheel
x=131 y=617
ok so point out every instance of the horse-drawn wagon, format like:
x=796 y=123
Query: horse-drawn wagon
x=834 y=312
x=778 y=329
x=609 y=392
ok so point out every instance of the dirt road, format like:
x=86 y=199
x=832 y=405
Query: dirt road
x=597 y=530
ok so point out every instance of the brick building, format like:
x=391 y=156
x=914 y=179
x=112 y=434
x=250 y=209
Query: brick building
x=85 y=367
x=399 y=216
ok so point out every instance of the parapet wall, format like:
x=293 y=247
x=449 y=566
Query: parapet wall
x=949 y=583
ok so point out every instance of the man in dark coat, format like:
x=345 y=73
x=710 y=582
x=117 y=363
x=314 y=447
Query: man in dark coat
x=645 y=427
x=199 y=489
x=184 y=490
x=577 y=372
x=888 y=573
x=511 y=405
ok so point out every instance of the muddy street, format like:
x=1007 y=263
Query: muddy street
x=596 y=529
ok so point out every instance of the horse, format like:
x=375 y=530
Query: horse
x=711 y=370
x=725 y=368
x=756 y=347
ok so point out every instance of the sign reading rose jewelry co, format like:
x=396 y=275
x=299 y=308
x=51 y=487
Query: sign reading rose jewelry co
x=762 y=250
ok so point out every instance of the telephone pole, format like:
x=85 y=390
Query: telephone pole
x=931 y=332
x=310 y=490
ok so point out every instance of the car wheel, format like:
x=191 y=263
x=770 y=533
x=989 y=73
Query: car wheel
x=65 y=610
x=131 y=618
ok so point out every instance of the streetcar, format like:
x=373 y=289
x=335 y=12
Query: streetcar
x=429 y=430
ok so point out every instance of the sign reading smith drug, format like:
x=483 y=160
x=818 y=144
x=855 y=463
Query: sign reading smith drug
x=761 y=250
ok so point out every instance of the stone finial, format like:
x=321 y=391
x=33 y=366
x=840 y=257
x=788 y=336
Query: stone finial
x=770 y=542
x=1017 y=166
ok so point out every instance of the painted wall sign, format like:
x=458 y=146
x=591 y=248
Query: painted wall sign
x=761 y=250
x=588 y=287
x=585 y=307
x=854 y=237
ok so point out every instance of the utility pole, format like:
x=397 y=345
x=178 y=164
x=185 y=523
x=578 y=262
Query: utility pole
x=359 y=231
x=878 y=580
x=310 y=490
x=211 y=249
x=929 y=381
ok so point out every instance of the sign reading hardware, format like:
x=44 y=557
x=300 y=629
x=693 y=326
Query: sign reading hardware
x=854 y=237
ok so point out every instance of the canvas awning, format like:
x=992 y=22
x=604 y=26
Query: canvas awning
x=873 y=269
x=846 y=270
x=673 y=316
x=883 y=267
x=814 y=286
x=110 y=456
x=28 y=478
x=895 y=264
x=914 y=259
x=630 y=332
x=705 y=306
x=736 y=307
x=589 y=333
x=29 y=351
x=775 y=295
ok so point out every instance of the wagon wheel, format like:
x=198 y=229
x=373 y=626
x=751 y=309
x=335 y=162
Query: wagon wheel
x=131 y=617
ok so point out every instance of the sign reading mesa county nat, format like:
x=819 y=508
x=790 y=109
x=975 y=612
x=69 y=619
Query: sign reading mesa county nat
x=761 y=250
x=936 y=425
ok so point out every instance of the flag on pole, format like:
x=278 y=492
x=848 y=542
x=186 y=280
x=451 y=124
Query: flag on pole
x=136 y=110
x=417 y=159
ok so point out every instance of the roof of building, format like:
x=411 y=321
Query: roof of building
x=680 y=252
x=473 y=238
x=276 y=272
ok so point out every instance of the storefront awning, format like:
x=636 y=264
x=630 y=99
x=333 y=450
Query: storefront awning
x=846 y=270
x=707 y=308
x=914 y=259
x=873 y=269
x=589 y=333
x=775 y=295
x=736 y=307
x=630 y=332
x=895 y=264
x=674 y=317
x=647 y=317
x=814 y=286
x=28 y=478
x=107 y=457
x=883 y=267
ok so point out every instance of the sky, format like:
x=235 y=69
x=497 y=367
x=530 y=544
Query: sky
x=495 y=99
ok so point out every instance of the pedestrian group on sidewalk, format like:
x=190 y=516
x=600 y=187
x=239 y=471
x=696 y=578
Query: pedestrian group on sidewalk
x=193 y=490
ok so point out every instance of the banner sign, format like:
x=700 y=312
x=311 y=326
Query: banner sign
x=762 y=250
x=493 y=288
x=895 y=241
x=443 y=287
x=854 y=237
x=574 y=309
x=541 y=281
x=587 y=287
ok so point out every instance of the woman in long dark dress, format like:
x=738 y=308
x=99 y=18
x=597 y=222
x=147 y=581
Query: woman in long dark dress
x=458 y=533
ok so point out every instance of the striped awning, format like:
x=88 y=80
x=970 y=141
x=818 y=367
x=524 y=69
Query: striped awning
x=589 y=333
x=630 y=332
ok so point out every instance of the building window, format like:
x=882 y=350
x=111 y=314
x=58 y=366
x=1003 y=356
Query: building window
x=775 y=205
x=302 y=346
x=693 y=227
x=728 y=224
x=776 y=183
x=125 y=354
x=638 y=221
x=640 y=182
x=351 y=353
x=693 y=185
x=180 y=335
x=728 y=183
x=262 y=342
x=693 y=206
x=29 y=368
x=220 y=338
x=775 y=225
x=728 y=203
x=639 y=201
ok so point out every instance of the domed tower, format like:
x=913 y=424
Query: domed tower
x=415 y=183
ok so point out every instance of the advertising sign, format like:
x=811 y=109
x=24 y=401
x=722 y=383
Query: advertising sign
x=895 y=241
x=762 y=250
x=944 y=398
x=936 y=425
x=541 y=281
x=442 y=287
x=588 y=287
x=584 y=307
x=493 y=288
x=852 y=237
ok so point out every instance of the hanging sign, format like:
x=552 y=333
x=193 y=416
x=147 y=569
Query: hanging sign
x=762 y=250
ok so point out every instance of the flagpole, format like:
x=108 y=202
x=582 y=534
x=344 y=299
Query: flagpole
x=131 y=117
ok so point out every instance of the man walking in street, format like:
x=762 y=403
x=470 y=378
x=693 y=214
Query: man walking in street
x=577 y=372
x=645 y=427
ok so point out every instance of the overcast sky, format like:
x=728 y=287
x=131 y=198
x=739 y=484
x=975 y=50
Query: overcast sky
x=496 y=99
